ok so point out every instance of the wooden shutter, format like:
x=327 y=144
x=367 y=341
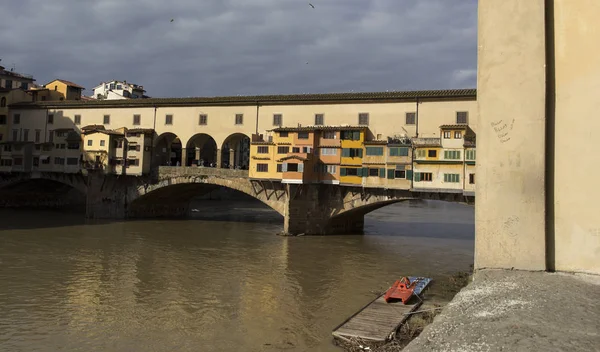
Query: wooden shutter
x=301 y=167
x=382 y=172
x=390 y=174
x=409 y=174
x=342 y=171
x=356 y=135
x=284 y=167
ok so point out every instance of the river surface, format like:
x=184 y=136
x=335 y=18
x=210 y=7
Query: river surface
x=221 y=281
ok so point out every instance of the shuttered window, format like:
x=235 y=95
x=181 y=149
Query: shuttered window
x=452 y=154
x=411 y=118
x=462 y=117
x=398 y=151
x=374 y=151
x=452 y=178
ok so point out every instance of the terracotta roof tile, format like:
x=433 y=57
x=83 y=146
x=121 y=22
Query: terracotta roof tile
x=268 y=99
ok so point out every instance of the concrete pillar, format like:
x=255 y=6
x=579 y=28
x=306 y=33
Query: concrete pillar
x=231 y=158
x=510 y=206
x=198 y=153
x=184 y=157
x=219 y=154
x=106 y=196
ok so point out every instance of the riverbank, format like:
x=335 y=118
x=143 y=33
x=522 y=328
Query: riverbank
x=436 y=297
x=518 y=311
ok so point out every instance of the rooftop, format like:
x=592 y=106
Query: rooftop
x=68 y=83
x=450 y=94
x=318 y=128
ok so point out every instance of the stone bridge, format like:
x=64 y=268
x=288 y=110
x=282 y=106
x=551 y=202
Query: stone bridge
x=306 y=208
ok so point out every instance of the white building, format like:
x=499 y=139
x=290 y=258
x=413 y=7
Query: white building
x=115 y=90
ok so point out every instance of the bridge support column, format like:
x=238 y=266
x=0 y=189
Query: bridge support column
x=231 y=158
x=106 y=196
x=310 y=210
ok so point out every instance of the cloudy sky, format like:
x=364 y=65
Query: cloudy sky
x=232 y=47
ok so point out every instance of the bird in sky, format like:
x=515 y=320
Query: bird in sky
x=311 y=5
x=172 y=20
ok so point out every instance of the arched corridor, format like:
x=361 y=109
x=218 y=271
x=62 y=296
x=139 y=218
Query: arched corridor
x=201 y=150
x=235 y=152
x=168 y=150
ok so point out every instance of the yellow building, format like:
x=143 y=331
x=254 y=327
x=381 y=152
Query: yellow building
x=263 y=160
x=100 y=148
x=351 y=163
x=470 y=158
x=63 y=90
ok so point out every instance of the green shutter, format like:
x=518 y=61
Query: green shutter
x=356 y=135
x=382 y=172
x=417 y=176
x=403 y=151
x=393 y=151
x=359 y=153
x=409 y=174
x=342 y=171
x=445 y=177
x=390 y=174
x=345 y=152
x=365 y=172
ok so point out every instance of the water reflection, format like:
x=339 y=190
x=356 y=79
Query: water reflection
x=191 y=285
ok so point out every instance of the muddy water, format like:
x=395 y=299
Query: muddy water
x=221 y=281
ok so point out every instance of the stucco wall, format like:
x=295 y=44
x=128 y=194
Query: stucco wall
x=510 y=211
x=577 y=164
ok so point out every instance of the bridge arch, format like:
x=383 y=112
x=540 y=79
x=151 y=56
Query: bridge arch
x=168 y=149
x=201 y=149
x=171 y=195
x=235 y=151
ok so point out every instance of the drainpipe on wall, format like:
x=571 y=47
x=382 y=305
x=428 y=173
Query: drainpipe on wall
x=152 y=142
x=256 y=118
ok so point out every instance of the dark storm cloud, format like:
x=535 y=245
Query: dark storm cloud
x=230 y=47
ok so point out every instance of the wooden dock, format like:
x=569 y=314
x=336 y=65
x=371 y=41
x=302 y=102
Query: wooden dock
x=378 y=321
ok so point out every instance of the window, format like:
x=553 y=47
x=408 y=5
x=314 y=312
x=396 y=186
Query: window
x=24 y=85
x=77 y=119
x=420 y=153
x=283 y=134
x=7 y=147
x=329 y=135
x=452 y=154
x=137 y=119
x=262 y=167
x=50 y=136
x=471 y=179
x=352 y=152
x=295 y=149
x=363 y=118
x=374 y=172
x=168 y=119
x=15 y=135
x=37 y=135
x=106 y=120
x=452 y=178
x=302 y=135
x=457 y=135
x=51 y=118
x=411 y=118
x=102 y=143
x=8 y=84
x=18 y=161
x=328 y=151
x=319 y=119
x=374 y=151
x=1 y=136
x=26 y=135
x=73 y=146
x=283 y=150
x=447 y=134
x=133 y=162
x=239 y=119
x=423 y=176
x=6 y=162
x=17 y=119
x=59 y=161
x=470 y=154
x=351 y=135
x=36 y=161
x=307 y=149
x=277 y=119
x=329 y=169
x=279 y=167
x=462 y=117
x=72 y=161
x=203 y=119
x=263 y=150
x=90 y=142
x=350 y=171
x=398 y=151
x=2 y=102
x=432 y=153
x=399 y=174
x=2 y=119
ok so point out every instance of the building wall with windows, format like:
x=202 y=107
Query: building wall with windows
x=263 y=161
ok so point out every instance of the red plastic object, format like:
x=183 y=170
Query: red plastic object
x=401 y=290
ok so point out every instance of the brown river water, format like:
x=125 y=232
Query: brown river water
x=221 y=281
